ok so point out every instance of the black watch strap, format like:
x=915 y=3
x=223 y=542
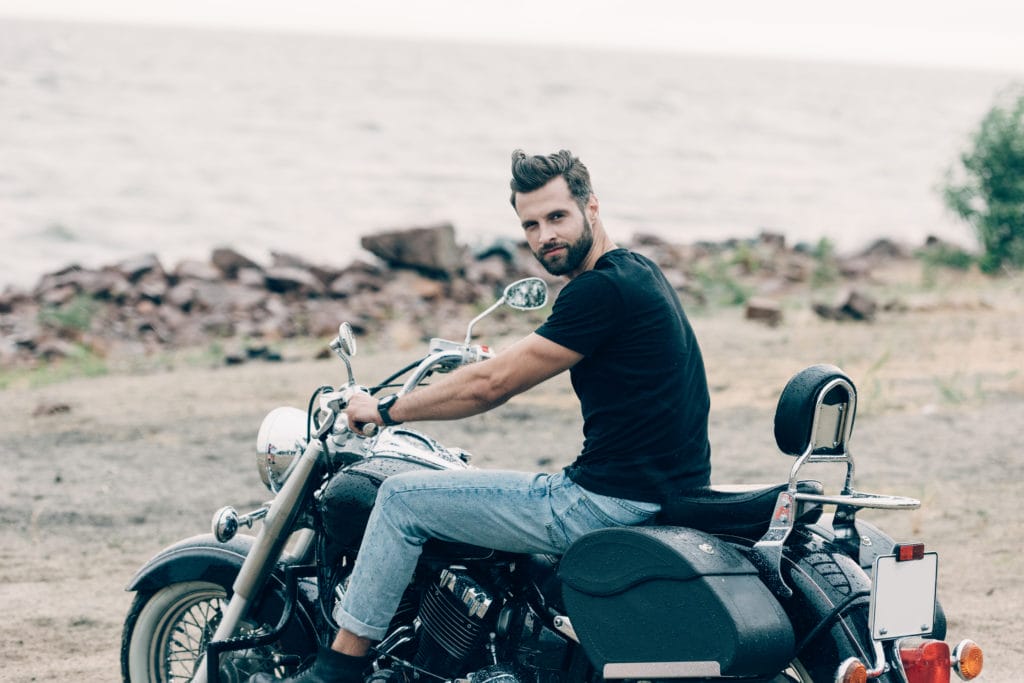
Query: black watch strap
x=384 y=410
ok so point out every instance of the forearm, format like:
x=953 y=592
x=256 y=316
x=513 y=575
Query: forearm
x=470 y=390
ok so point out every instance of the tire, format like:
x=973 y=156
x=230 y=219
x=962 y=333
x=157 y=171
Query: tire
x=823 y=580
x=167 y=631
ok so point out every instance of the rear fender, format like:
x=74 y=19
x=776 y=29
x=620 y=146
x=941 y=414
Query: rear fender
x=875 y=542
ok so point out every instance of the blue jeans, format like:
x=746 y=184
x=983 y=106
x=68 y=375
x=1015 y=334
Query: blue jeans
x=519 y=512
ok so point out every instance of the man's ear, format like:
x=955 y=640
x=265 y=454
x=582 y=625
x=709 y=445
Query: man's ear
x=593 y=208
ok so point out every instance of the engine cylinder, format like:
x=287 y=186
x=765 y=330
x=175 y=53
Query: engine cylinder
x=453 y=618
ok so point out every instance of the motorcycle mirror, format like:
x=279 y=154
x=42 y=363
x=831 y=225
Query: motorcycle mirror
x=522 y=295
x=346 y=339
x=344 y=346
x=527 y=294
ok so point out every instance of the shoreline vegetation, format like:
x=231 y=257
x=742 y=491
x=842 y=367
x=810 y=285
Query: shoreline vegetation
x=137 y=315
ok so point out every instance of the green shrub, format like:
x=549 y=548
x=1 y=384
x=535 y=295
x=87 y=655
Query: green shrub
x=989 y=194
x=74 y=316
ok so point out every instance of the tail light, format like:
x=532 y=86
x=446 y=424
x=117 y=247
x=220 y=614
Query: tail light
x=930 y=662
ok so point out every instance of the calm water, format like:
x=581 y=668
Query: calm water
x=116 y=141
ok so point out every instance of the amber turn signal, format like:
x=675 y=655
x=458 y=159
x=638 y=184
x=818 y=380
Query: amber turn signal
x=852 y=671
x=968 y=660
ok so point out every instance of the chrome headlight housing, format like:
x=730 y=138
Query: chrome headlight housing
x=280 y=442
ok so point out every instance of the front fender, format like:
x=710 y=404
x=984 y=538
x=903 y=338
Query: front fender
x=199 y=558
x=204 y=558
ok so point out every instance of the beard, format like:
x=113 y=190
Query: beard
x=570 y=259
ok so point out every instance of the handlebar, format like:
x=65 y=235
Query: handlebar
x=446 y=356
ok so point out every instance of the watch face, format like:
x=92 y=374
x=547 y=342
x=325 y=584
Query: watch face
x=383 y=406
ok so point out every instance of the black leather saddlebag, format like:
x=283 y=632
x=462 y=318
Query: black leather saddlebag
x=670 y=602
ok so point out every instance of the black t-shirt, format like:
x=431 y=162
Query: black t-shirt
x=641 y=383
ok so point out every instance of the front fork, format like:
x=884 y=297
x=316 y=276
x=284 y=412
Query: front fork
x=269 y=544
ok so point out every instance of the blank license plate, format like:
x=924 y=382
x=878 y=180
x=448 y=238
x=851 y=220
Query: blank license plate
x=903 y=597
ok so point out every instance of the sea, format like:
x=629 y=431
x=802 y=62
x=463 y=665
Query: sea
x=120 y=140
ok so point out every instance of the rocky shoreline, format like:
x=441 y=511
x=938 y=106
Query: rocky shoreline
x=419 y=280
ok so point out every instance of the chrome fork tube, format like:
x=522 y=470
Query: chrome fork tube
x=267 y=548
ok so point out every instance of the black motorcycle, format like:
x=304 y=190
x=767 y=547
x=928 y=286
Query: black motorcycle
x=737 y=583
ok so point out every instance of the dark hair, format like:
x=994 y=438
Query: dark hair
x=531 y=173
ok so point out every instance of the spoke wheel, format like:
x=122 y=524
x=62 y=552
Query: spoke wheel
x=167 y=632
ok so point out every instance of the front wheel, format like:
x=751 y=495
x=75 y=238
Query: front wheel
x=167 y=631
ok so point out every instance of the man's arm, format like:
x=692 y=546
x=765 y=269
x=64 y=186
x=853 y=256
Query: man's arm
x=475 y=388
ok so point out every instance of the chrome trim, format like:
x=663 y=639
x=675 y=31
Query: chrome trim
x=564 y=626
x=662 y=669
x=863 y=500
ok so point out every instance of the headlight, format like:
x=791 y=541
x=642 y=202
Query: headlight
x=281 y=439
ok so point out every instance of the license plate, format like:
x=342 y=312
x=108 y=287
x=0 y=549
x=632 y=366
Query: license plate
x=903 y=597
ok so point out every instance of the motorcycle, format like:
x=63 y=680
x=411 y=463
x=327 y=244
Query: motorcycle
x=739 y=583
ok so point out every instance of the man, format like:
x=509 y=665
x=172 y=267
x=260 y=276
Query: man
x=619 y=328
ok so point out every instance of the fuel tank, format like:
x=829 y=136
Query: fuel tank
x=347 y=499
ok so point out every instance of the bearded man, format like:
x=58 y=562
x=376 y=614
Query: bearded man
x=619 y=329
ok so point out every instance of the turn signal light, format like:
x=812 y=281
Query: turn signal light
x=927 y=663
x=852 y=671
x=968 y=660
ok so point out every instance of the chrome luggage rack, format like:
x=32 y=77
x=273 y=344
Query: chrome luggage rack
x=826 y=442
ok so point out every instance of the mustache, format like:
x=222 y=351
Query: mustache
x=554 y=247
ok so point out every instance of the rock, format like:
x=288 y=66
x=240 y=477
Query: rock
x=883 y=249
x=290 y=279
x=134 y=268
x=852 y=305
x=492 y=269
x=107 y=284
x=324 y=316
x=229 y=262
x=428 y=249
x=226 y=297
x=251 y=277
x=191 y=269
x=859 y=306
x=181 y=295
x=56 y=408
x=152 y=285
x=773 y=239
x=324 y=274
x=765 y=311
x=855 y=268
x=355 y=281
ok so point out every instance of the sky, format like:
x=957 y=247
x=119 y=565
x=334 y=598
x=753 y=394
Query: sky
x=985 y=34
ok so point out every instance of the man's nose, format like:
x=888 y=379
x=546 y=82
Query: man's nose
x=546 y=232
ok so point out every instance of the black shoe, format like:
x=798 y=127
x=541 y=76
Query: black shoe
x=329 y=667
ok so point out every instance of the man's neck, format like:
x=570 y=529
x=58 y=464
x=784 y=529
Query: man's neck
x=602 y=245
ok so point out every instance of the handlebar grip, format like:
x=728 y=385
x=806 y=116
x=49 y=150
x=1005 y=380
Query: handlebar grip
x=369 y=429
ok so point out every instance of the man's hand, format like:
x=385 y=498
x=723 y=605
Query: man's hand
x=362 y=409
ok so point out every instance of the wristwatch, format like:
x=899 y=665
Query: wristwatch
x=384 y=408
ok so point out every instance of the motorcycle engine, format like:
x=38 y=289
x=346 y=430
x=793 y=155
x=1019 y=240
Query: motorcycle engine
x=454 y=615
x=458 y=616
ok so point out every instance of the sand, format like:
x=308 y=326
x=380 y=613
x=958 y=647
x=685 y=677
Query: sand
x=100 y=473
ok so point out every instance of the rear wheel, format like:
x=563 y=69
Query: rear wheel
x=167 y=631
x=829 y=610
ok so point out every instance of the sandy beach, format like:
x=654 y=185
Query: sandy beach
x=103 y=472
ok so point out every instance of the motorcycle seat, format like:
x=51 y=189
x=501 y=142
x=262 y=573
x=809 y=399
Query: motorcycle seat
x=744 y=512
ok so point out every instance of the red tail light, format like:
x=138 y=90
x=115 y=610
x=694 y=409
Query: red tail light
x=929 y=662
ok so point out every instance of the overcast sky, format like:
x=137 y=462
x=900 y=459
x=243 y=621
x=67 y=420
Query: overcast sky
x=973 y=33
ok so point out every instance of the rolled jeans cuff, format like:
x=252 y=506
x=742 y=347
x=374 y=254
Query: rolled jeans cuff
x=358 y=628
